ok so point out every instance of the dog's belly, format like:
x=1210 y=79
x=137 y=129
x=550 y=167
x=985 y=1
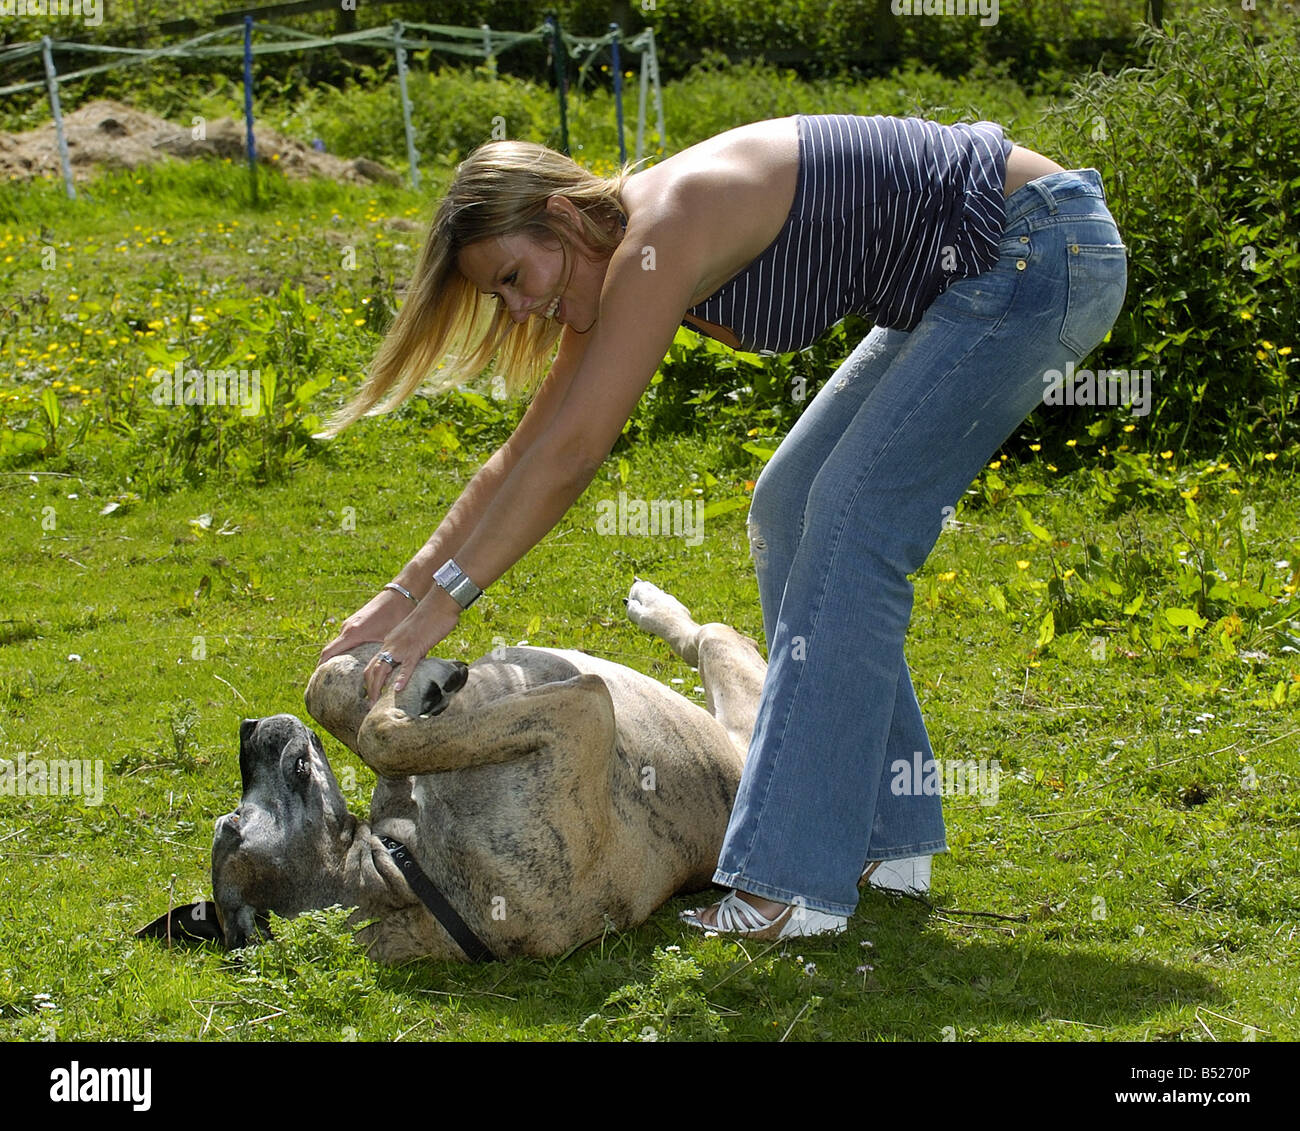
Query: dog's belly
x=539 y=855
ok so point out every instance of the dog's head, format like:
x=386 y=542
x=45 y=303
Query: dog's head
x=281 y=850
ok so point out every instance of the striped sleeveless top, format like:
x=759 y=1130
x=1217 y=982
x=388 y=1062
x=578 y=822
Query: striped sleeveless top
x=887 y=213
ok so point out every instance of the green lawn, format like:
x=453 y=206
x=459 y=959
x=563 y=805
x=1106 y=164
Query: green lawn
x=1137 y=870
x=1143 y=836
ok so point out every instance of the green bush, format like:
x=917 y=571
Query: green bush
x=1200 y=154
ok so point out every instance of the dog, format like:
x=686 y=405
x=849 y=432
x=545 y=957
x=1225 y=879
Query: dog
x=525 y=803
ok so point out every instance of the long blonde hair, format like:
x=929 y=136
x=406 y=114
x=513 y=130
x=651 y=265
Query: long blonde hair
x=500 y=189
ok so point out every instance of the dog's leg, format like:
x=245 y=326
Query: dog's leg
x=397 y=739
x=336 y=694
x=732 y=672
x=664 y=616
x=730 y=667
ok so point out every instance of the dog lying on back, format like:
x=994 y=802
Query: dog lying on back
x=525 y=803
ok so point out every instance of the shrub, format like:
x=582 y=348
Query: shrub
x=1200 y=154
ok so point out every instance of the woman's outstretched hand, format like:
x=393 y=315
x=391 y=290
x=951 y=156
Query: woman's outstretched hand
x=373 y=621
x=426 y=626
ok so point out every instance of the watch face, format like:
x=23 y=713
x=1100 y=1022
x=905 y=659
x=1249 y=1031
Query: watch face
x=447 y=572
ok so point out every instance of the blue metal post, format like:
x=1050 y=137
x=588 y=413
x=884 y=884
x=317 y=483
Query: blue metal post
x=412 y=156
x=248 y=103
x=616 y=62
x=557 y=50
x=52 y=85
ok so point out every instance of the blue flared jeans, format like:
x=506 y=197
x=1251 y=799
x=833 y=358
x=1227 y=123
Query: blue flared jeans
x=852 y=502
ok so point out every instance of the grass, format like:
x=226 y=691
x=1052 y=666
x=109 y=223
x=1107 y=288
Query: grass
x=1118 y=632
x=1142 y=843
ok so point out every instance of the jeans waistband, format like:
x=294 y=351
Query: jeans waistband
x=1048 y=191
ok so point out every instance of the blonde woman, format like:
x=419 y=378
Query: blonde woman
x=983 y=265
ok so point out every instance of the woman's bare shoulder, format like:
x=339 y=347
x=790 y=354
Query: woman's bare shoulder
x=729 y=194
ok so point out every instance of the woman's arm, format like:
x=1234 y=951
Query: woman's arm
x=640 y=311
x=466 y=513
x=389 y=608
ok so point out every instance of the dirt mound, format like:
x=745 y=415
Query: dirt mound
x=113 y=135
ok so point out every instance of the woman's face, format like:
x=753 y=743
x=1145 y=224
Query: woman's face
x=529 y=276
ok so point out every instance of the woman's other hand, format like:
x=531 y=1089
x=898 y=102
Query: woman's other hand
x=423 y=629
x=372 y=622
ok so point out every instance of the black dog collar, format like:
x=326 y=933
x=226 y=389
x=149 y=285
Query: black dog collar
x=436 y=902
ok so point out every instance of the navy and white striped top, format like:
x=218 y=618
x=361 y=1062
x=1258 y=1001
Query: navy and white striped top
x=888 y=213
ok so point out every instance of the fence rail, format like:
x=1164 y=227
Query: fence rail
x=237 y=41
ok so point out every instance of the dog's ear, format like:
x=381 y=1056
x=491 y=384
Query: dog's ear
x=193 y=923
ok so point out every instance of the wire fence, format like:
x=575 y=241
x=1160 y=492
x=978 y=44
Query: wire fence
x=252 y=40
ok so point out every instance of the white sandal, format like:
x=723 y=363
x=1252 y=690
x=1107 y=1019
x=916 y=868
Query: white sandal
x=736 y=916
x=910 y=876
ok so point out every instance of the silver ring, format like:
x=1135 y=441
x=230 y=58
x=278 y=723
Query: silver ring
x=387 y=657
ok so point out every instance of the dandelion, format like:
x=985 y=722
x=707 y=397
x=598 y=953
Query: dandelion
x=1070 y=443
x=1270 y=456
x=951 y=575
x=1022 y=564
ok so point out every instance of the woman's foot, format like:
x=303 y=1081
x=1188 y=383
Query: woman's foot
x=740 y=913
x=910 y=876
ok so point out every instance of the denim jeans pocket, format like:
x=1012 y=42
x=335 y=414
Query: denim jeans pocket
x=990 y=294
x=1097 y=276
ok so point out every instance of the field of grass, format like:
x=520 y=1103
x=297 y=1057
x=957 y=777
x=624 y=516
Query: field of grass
x=1142 y=843
x=1118 y=630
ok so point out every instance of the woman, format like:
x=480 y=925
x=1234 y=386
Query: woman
x=984 y=264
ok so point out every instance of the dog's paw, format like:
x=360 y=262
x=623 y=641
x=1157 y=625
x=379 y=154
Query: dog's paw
x=650 y=608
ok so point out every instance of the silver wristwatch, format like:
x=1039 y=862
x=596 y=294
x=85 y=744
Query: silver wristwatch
x=454 y=580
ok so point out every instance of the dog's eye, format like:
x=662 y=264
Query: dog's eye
x=302 y=767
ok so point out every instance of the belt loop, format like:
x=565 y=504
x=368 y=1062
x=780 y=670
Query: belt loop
x=1045 y=193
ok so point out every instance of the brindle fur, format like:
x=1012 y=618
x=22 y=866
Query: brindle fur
x=551 y=796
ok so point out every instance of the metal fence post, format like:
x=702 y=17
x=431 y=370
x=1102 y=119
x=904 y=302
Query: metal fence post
x=557 y=51
x=52 y=85
x=412 y=156
x=617 y=63
x=249 y=143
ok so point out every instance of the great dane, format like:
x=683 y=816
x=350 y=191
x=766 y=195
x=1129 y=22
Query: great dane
x=525 y=803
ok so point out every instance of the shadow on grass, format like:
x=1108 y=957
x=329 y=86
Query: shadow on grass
x=890 y=976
